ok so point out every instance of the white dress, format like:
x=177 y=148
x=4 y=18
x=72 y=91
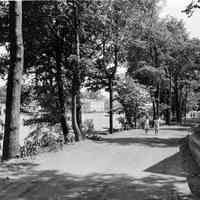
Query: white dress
x=146 y=124
x=157 y=124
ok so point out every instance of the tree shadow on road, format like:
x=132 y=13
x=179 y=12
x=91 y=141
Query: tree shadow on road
x=169 y=166
x=54 y=185
x=15 y=169
x=174 y=128
x=151 y=142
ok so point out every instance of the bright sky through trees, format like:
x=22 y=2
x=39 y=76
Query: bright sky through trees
x=169 y=8
x=174 y=8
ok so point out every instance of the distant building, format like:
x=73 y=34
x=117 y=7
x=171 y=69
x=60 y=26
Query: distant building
x=92 y=105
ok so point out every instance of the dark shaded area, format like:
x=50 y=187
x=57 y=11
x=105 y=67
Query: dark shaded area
x=55 y=185
x=169 y=166
x=101 y=132
x=105 y=131
x=151 y=142
x=191 y=167
x=52 y=185
x=172 y=128
x=16 y=168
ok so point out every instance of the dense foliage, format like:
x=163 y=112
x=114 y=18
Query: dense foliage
x=73 y=44
x=134 y=100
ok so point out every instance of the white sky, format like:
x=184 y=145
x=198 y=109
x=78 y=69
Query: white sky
x=174 y=8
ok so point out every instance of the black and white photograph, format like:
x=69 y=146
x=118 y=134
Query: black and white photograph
x=99 y=99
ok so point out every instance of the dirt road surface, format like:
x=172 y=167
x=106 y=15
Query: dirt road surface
x=128 y=165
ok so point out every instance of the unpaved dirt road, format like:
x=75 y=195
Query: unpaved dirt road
x=128 y=165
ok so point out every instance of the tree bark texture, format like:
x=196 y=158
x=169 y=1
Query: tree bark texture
x=169 y=110
x=61 y=96
x=12 y=119
x=154 y=109
x=76 y=78
x=79 y=111
x=78 y=135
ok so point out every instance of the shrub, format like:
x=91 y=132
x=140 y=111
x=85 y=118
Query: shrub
x=88 y=126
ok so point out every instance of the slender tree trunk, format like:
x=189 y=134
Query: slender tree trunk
x=156 y=65
x=136 y=112
x=167 y=114
x=177 y=102
x=169 y=110
x=79 y=111
x=135 y=122
x=76 y=77
x=185 y=104
x=154 y=109
x=170 y=96
x=181 y=107
x=111 y=106
x=65 y=127
x=157 y=103
x=12 y=120
x=186 y=99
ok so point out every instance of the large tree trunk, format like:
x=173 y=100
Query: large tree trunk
x=12 y=120
x=61 y=95
x=76 y=76
x=157 y=95
x=111 y=106
x=135 y=122
x=167 y=116
x=79 y=111
x=78 y=135
x=154 y=110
